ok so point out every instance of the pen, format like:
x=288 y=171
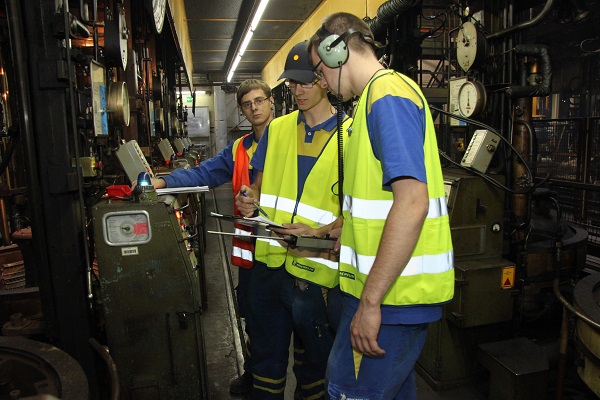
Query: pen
x=257 y=206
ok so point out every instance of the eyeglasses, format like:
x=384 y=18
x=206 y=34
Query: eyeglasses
x=246 y=105
x=317 y=73
x=292 y=84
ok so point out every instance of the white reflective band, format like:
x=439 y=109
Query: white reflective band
x=379 y=209
x=437 y=207
x=328 y=263
x=317 y=215
x=321 y=217
x=425 y=264
x=368 y=209
x=239 y=231
x=281 y=203
x=241 y=253
x=271 y=242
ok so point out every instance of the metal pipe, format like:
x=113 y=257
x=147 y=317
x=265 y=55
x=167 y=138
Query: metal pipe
x=386 y=13
x=521 y=141
x=15 y=24
x=527 y=24
x=562 y=353
x=75 y=149
x=115 y=386
x=5 y=229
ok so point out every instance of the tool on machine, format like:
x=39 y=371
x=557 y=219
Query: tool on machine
x=294 y=240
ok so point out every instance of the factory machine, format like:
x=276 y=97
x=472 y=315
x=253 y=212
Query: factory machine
x=151 y=286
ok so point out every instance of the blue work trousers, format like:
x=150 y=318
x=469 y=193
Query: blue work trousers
x=242 y=294
x=280 y=305
x=351 y=375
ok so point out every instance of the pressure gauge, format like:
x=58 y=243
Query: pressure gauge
x=116 y=34
x=118 y=102
x=122 y=228
x=470 y=46
x=158 y=9
x=471 y=98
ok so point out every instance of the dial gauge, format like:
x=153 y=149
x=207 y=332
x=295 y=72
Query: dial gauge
x=118 y=103
x=126 y=228
x=158 y=9
x=471 y=98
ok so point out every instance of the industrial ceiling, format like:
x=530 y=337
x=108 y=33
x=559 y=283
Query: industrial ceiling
x=216 y=28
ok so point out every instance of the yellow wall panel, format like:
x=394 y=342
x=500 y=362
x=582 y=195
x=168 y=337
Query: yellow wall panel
x=361 y=8
x=182 y=36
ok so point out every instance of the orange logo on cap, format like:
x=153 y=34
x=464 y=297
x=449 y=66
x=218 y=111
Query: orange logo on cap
x=296 y=57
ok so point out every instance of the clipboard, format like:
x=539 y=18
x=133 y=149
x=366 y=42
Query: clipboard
x=260 y=221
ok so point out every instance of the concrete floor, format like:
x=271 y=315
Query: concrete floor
x=223 y=338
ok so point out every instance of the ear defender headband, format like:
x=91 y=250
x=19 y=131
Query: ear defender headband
x=333 y=49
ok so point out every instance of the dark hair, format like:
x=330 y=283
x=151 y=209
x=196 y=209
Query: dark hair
x=252 y=84
x=339 y=23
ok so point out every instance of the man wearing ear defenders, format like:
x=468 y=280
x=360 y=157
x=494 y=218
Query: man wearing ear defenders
x=297 y=185
x=396 y=257
x=233 y=164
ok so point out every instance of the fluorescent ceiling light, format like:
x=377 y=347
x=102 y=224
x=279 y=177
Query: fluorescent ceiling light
x=247 y=37
x=246 y=42
x=188 y=93
x=259 y=12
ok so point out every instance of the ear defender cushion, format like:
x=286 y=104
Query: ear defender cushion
x=332 y=51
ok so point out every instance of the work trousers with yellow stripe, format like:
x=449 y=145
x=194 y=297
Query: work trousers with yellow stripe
x=280 y=304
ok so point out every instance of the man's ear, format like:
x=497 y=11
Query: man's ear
x=323 y=84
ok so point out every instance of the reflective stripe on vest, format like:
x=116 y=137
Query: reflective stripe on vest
x=379 y=209
x=242 y=254
x=316 y=206
x=428 y=277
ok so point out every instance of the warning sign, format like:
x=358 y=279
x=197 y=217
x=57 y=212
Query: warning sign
x=508 y=277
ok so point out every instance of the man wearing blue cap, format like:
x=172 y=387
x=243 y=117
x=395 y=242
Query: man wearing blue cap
x=297 y=184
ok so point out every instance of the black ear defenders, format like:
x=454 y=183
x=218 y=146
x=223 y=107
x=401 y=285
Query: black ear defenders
x=333 y=49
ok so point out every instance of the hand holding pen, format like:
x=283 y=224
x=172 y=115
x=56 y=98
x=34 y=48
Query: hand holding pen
x=257 y=206
x=247 y=203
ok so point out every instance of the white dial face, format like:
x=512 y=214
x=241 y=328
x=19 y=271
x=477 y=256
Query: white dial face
x=468 y=99
x=126 y=228
x=159 y=8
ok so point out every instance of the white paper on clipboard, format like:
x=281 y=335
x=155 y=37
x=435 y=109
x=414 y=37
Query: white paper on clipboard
x=259 y=221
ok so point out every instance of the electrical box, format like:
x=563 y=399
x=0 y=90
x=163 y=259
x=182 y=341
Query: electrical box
x=480 y=151
x=483 y=292
x=166 y=150
x=132 y=160
x=179 y=145
x=152 y=289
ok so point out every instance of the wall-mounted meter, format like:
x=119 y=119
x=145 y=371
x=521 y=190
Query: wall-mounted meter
x=471 y=98
x=99 y=98
x=123 y=228
x=470 y=46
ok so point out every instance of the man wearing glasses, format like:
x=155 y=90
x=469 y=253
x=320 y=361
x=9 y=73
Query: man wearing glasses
x=297 y=160
x=232 y=164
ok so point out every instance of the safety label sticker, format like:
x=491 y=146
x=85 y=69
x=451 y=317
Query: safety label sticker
x=508 y=277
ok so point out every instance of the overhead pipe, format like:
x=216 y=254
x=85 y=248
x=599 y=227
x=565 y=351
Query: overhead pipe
x=541 y=89
x=524 y=25
x=387 y=12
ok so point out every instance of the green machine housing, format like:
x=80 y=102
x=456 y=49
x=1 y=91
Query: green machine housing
x=483 y=298
x=151 y=285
